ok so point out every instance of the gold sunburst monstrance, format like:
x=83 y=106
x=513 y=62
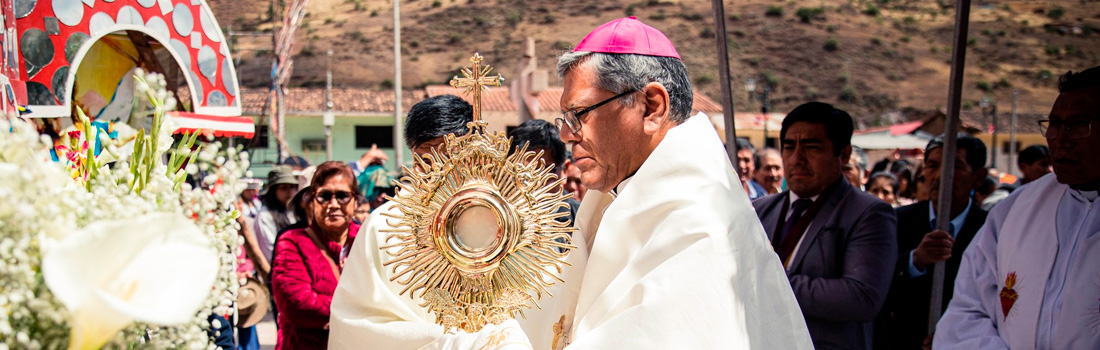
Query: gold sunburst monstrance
x=478 y=235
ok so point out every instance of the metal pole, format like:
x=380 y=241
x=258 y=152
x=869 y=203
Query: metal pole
x=1012 y=155
x=280 y=114
x=398 y=116
x=993 y=138
x=724 y=77
x=328 y=109
x=947 y=171
x=764 y=109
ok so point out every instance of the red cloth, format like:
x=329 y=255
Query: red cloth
x=303 y=283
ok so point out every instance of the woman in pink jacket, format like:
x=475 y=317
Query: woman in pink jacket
x=307 y=262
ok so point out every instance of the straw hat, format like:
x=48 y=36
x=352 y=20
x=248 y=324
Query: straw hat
x=252 y=303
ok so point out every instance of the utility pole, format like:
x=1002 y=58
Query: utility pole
x=398 y=120
x=328 y=119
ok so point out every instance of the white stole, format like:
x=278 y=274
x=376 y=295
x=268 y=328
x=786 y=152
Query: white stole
x=1026 y=249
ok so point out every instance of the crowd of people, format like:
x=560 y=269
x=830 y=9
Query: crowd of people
x=805 y=246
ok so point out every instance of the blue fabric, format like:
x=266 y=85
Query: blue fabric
x=247 y=339
x=222 y=337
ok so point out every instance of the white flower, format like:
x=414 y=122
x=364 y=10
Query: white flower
x=156 y=268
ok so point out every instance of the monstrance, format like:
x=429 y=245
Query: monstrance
x=479 y=235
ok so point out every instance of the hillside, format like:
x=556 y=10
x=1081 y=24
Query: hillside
x=870 y=57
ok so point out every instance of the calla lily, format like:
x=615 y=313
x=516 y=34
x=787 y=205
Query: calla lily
x=156 y=268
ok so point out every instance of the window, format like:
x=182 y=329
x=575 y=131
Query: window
x=260 y=138
x=365 y=136
x=313 y=146
x=1007 y=145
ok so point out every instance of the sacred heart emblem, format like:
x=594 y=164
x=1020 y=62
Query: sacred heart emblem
x=1008 y=295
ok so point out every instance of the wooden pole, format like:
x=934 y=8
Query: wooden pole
x=724 y=77
x=947 y=167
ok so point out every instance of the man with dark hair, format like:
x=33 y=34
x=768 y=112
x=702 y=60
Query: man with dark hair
x=1029 y=279
x=366 y=303
x=432 y=119
x=836 y=242
x=1034 y=162
x=746 y=166
x=903 y=322
x=541 y=136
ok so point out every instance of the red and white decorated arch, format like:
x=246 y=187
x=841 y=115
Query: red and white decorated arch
x=45 y=41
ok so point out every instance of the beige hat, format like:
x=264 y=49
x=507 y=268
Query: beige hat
x=252 y=303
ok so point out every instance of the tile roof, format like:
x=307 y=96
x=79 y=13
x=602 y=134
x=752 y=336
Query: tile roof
x=500 y=99
x=369 y=101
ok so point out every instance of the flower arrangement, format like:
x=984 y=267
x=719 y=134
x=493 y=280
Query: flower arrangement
x=116 y=251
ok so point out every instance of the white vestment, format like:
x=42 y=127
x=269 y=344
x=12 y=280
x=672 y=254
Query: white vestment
x=678 y=260
x=1046 y=236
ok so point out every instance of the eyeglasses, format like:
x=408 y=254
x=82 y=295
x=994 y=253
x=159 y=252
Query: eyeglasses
x=573 y=118
x=1074 y=129
x=342 y=197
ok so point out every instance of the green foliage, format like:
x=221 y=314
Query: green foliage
x=704 y=79
x=513 y=18
x=386 y=84
x=871 y=10
x=1053 y=50
x=811 y=93
x=329 y=20
x=849 y=94
x=1056 y=13
x=706 y=33
x=436 y=3
x=876 y=41
x=771 y=78
x=832 y=44
x=1044 y=74
x=692 y=16
x=972 y=42
x=830 y=29
x=735 y=17
x=659 y=16
x=904 y=38
x=630 y=10
x=373 y=13
x=414 y=44
x=774 y=11
x=984 y=86
x=561 y=45
x=808 y=14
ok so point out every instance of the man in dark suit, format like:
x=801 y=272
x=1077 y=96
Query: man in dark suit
x=903 y=322
x=838 y=244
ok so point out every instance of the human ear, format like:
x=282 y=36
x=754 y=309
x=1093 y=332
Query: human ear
x=656 y=101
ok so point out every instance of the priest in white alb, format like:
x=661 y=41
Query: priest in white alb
x=1031 y=277
x=670 y=254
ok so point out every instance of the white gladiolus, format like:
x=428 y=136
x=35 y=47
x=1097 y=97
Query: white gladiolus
x=157 y=268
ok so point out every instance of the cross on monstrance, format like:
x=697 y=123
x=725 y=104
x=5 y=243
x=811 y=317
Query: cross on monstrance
x=477 y=80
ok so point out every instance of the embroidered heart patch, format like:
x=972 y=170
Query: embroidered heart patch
x=1009 y=295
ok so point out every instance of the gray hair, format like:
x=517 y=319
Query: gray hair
x=861 y=157
x=624 y=72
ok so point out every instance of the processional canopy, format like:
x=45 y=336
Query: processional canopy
x=480 y=235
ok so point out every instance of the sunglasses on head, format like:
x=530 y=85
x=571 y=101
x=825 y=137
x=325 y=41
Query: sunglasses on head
x=342 y=197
